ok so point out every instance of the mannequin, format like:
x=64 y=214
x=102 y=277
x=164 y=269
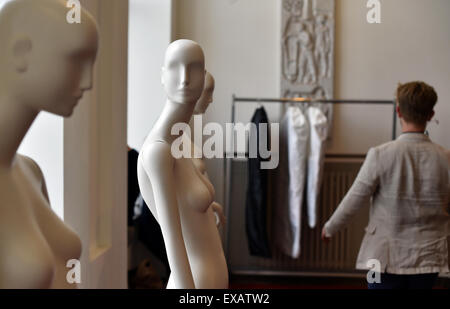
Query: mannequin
x=182 y=194
x=200 y=108
x=45 y=65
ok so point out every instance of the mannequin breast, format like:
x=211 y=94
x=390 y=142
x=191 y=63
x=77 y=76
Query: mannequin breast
x=194 y=190
x=36 y=244
x=200 y=233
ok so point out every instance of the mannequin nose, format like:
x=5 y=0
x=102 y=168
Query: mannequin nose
x=184 y=77
x=86 y=79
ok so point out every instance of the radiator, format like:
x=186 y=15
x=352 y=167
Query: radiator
x=338 y=256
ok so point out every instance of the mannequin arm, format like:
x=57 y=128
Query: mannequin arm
x=218 y=210
x=159 y=164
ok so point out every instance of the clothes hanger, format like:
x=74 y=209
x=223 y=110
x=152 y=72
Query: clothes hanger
x=258 y=102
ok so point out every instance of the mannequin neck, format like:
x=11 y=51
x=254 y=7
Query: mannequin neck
x=409 y=127
x=172 y=114
x=15 y=121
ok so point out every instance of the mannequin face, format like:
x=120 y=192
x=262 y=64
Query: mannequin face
x=61 y=74
x=207 y=95
x=50 y=67
x=183 y=74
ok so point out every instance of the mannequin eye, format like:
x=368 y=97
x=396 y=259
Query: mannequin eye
x=82 y=54
x=196 y=67
x=172 y=66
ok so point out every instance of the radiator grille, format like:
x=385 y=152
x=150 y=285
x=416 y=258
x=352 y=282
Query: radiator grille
x=337 y=256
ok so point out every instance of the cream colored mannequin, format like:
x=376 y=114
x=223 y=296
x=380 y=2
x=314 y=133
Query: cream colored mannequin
x=200 y=108
x=182 y=193
x=45 y=65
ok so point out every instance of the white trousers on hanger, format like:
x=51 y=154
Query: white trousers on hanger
x=318 y=134
x=294 y=136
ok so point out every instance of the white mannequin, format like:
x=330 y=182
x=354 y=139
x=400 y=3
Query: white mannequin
x=45 y=64
x=200 y=108
x=182 y=193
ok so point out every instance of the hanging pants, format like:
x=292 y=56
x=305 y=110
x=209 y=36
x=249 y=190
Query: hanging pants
x=294 y=136
x=302 y=148
x=318 y=134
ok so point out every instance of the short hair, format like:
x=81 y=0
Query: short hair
x=416 y=101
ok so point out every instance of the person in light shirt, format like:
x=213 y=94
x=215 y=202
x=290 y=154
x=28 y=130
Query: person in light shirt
x=407 y=184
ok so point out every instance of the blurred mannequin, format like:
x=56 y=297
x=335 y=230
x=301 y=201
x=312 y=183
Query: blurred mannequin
x=45 y=65
x=200 y=108
x=182 y=194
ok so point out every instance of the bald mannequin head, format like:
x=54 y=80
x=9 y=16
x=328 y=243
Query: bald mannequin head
x=207 y=95
x=45 y=62
x=183 y=73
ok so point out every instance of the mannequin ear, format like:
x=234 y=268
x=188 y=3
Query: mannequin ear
x=21 y=49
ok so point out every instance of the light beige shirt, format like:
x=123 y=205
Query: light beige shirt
x=407 y=184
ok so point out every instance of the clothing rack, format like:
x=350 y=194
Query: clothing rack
x=300 y=100
x=317 y=101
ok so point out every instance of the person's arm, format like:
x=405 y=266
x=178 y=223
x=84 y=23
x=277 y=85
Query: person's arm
x=357 y=197
x=159 y=165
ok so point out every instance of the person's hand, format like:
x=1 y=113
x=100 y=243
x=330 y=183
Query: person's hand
x=221 y=220
x=325 y=238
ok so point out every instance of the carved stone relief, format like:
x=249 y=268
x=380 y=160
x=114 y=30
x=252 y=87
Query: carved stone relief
x=308 y=50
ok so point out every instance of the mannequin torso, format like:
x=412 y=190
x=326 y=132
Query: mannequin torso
x=34 y=253
x=195 y=195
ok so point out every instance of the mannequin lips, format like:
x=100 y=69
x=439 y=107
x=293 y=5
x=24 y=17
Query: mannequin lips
x=78 y=95
x=76 y=100
x=185 y=92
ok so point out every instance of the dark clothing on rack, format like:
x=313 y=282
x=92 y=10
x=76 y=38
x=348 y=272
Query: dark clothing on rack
x=148 y=229
x=150 y=234
x=133 y=185
x=257 y=194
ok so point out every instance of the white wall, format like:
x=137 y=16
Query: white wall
x=150 y=33
x=241 y=41
x=411 y=43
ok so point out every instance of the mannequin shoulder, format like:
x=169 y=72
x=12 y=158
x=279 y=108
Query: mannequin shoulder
x=30 y=165
x=156 y=155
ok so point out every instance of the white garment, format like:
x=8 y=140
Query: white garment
x=318 y=134
x=294 y=134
